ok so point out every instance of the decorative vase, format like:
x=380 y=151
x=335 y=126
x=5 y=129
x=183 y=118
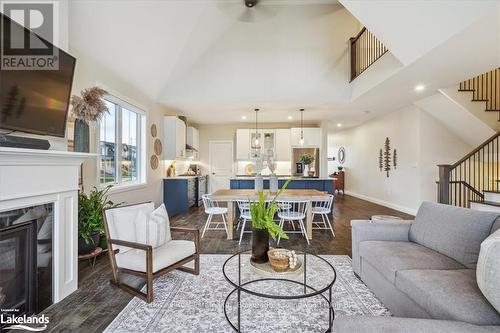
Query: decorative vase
x=259 y=183
x=81 y=136
x=311 y=172
x=260 y=246
x=273 y=183
x=306 y=170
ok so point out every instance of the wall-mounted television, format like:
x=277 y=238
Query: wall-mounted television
x=35 y=101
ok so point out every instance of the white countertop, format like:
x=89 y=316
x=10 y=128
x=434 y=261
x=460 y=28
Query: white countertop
x=282 y=178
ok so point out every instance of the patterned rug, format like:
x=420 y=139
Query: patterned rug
x=187 y=303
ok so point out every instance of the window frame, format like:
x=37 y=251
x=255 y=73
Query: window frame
x=119 y=184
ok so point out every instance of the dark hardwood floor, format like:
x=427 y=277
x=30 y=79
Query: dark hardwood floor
x=96 y=303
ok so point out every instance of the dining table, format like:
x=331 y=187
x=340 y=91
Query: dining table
x=230 y=196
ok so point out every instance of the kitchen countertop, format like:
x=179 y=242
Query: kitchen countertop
x=184 y=177
x=282 y=177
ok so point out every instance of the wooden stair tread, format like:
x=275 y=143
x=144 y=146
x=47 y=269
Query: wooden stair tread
x=488 y=203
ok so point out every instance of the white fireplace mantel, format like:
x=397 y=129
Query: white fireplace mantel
x=30 y=177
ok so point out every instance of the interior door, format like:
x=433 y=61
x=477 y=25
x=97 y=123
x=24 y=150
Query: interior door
x=221 y=164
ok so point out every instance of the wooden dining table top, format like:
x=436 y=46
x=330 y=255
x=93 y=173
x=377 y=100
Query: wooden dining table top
x=289 y=194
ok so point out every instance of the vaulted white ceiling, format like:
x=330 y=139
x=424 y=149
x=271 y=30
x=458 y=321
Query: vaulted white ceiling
x=216 y=60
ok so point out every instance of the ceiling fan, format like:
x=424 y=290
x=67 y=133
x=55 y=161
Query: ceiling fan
x=248 y=10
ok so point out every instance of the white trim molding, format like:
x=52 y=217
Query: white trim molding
x=403 y=209
x=30 y=177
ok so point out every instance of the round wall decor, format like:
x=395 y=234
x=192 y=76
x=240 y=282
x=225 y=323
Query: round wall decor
x=341 y=155
x=154 y=131
x=154 y=162
x=158 y=147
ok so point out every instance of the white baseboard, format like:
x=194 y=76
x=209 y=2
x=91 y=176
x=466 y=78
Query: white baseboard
x=383 y=203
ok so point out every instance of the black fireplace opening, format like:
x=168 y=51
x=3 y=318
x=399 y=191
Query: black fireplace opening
x=26 y=260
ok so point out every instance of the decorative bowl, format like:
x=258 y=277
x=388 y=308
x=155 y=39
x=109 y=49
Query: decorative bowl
x=278 y=258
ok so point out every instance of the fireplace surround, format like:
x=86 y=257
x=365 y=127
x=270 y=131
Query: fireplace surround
x=49 y=179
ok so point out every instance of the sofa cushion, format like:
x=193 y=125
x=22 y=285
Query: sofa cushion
x=378 y=324
x=448 y=295
x=163 y=256
x=389 y=257
x=488 y=269
x=452 y=231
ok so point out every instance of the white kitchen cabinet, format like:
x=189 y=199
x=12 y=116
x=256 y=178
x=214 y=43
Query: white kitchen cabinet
x=193 y=140
x=312 y=137
x=174 y=138
x=283 y=148
x=243 y=144
x=193 y=137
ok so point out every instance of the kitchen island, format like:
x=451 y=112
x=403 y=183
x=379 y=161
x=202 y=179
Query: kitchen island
x=325 y=184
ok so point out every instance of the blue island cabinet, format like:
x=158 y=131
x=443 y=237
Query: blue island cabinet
x=324 y=185
x=179 y=194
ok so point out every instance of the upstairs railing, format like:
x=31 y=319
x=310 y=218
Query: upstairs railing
x=485 y=88
x=466 y=180
x=365 y=50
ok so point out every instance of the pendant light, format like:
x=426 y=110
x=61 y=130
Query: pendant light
x=256 y=142
x=301 y=127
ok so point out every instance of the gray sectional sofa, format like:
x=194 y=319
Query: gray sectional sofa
x=424 y=271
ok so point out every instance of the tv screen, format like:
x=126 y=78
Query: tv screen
x=35 y=101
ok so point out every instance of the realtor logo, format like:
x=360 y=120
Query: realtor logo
x=22 y=50
x=37 y=323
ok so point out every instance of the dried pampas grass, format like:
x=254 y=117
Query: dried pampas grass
x=90 y=107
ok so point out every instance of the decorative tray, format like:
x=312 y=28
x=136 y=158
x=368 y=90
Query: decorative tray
x=267 y=270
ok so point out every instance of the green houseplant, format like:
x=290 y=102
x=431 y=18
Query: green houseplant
x=308 y=160
x=90 y=219
x=263 y=225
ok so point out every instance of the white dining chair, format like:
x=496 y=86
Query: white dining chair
x=212 y=209
x=324 y=209
x=293 y=211
x=244 y=208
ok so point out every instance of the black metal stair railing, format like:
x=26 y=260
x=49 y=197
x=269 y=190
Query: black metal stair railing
x=365 y=50
x=467 y=180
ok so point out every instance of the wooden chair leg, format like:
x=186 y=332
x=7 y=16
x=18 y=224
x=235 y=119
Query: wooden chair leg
x=149 y=276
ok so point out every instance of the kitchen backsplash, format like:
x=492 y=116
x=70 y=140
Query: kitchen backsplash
x=282 y=168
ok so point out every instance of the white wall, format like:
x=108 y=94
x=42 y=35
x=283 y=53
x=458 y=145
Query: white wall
x=88 y=74
x=421 y=144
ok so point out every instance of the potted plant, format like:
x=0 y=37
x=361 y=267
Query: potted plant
x=263 y=225
x=307 y=160
x=90 y=219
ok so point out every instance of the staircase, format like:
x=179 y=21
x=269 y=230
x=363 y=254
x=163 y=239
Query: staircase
x=485 y=88
x=473 y=181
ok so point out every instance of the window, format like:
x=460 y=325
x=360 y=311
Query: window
x=121 y=144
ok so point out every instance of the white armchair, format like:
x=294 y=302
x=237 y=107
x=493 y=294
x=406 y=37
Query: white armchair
x=132 y=252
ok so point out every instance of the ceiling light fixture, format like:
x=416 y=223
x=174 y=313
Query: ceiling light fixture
x=256 y=142
x=290 y=117
x=244 y=117
x=419 y=87
x=339 y=125
x=302 y=127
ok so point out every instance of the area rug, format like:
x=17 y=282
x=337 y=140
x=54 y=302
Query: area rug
x=187 y=303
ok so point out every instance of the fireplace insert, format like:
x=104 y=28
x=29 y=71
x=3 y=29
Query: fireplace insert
x=26 y=260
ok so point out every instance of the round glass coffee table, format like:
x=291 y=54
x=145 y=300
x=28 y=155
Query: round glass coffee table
x=264 y=294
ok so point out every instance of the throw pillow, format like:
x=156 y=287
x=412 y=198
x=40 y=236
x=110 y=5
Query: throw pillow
x=154 y=229
x=488 y=269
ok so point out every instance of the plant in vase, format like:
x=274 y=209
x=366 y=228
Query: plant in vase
x=263 y=225
x=88 y=108
x=307 y=160
x=90 y=219
x=273 y=179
